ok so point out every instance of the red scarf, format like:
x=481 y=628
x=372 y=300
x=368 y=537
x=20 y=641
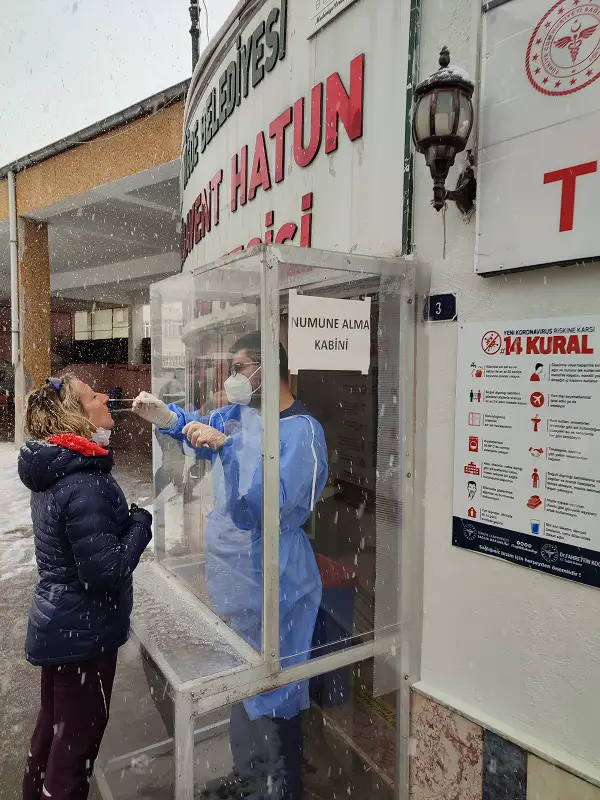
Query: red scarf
x=77 y=444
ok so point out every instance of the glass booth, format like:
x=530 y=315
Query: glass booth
x=277 y=591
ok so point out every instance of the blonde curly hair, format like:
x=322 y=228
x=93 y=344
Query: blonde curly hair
x=50 y=412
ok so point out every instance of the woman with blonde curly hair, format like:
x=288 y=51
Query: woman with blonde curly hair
x=88 y=541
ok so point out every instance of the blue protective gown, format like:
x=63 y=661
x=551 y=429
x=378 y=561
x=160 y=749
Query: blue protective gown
x=234 y=535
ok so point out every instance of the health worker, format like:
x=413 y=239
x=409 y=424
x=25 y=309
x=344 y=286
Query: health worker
x=265 y=731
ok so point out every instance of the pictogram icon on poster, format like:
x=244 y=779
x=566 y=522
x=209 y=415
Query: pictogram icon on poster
x=537 y=399
x=472 y=469
x=550 y=553
x=470 y=532
x=491 y=343
x=472 y=513
x=563 y=51
x=536 y=423
x=474 y=444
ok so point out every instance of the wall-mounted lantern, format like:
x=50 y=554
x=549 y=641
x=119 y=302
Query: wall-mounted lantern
x=442 y=124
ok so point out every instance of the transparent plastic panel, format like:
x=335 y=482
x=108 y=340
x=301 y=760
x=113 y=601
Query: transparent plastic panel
x=170 y=310
x=212 y=517
x=341 y=379
x=342 y=744
x=342 y=439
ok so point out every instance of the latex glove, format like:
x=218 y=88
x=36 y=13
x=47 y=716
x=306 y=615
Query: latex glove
x=154 y=410
x=200 y=435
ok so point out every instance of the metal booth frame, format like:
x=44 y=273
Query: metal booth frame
x=399 y=645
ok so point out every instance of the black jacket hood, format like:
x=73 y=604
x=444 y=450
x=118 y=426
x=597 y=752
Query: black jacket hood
x=42 y=464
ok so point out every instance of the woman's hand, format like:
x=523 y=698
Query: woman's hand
x=153 y=410
x=200 y=435
x=140 y=515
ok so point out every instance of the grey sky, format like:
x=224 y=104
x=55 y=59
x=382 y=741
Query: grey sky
x=67 y=63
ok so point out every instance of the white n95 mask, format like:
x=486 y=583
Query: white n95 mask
x=239 y=389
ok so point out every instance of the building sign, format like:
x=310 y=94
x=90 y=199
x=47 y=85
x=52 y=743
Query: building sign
x=255 y=57
x=538 y=158
x=329 y=334
x=290 y=139
x=321 y=12
x=527 y=444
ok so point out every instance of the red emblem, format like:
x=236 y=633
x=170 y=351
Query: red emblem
x=563 y=52
x=491 y=343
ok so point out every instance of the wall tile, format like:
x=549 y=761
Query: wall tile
x=447 y=753
x=547 y=782
x=504 y=769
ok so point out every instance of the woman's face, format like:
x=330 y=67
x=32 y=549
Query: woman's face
x=95 y=406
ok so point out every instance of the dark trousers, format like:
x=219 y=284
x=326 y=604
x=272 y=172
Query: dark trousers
x=267 y=754
x=69 y=729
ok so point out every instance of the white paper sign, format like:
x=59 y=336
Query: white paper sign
x=323 y=11
x=329 y=334
x=527 y=447
x=538 y=148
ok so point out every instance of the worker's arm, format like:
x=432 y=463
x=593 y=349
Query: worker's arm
x=171 y=420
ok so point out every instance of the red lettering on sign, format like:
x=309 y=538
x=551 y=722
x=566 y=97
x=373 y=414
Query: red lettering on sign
x=306 y=221
x=269 y=222
x=347 y=107
x=513 y=345
x=205 y=195
x=305 y=156
x=277 y=132
x=214 y=188
x=558 y=345
x=569 y=177
x=260 y=168
x=190 y=229
x=239 y=178
x=286 y=233
x=198 y=219
x=340 y=104
x=545 y=345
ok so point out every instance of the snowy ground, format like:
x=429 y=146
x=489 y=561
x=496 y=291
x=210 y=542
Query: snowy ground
x=19 y=682
x=16 y=541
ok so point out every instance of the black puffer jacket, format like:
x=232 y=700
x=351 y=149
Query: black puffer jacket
x=87 y=544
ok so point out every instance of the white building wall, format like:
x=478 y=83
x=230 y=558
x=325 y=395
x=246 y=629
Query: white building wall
x=515 y=649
